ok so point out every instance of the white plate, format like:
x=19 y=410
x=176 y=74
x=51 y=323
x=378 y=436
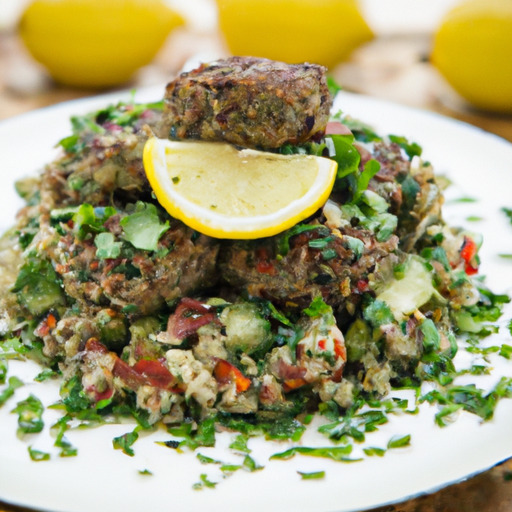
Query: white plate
x=480 y=165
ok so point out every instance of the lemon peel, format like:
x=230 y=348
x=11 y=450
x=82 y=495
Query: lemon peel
x=472 y=50
x=224 y=192
x=293 y=31
x=95 y=43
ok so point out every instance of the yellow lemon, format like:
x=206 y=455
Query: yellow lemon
x=473 y=50
x=95 y=43
x=225 y=192
x=320 y=31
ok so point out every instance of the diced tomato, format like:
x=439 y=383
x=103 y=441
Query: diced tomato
x=362 y=285
x=226 y=373
x=322 y=344
x=468 y=253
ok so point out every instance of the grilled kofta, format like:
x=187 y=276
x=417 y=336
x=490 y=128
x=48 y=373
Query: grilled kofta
x=292 y=269
x=248 y=102
x=102 y=160
x=343 y=247
x=94 y=237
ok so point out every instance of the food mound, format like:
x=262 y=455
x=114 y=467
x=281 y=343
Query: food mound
x=249 y=102
x=134 y=309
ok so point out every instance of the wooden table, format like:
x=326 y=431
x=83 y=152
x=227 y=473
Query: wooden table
x=393 y=68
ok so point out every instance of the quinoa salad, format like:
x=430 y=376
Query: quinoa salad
x=140 y=316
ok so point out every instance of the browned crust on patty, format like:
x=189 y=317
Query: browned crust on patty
x=249 y=102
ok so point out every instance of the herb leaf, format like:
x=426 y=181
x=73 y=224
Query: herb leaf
x=337 y=453
x=30 y=413
x=125 y=442
x=13 y=384
x=37 y=455
x=313 y=475
x=107 y=247
x=317 y=308
x=143 y=228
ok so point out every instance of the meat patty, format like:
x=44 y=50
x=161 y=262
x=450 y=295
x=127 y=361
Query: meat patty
x=293 y=268
x=138 y=279
x=102 y=160
x=249 y=102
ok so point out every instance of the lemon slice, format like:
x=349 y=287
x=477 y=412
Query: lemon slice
x=224 y=192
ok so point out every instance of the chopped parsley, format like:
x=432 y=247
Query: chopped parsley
x=30 y=415
x=107 y=247
x=318 y=308
x=204 y=482
x=143 y=227
x=337 y=453
x=13 y=384
x=312 y=475
x=125 y=442
x=38 y=455
x=411 y=148
x=508 y=213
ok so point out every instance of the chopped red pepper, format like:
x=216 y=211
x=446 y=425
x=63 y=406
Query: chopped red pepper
x=226 y=373
x=61 y=269
x=46 y=325
x=468 y=253
x=291 y=384
x=263 y=263
x=322 y=344
x=340 y=350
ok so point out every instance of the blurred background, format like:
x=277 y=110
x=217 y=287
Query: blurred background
x=449 y=56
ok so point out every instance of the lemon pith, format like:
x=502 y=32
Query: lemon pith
x=226 y=193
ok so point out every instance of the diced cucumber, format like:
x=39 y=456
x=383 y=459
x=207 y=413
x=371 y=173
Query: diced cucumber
x=246 y=330
x=413 y=290
x=358 y=340
x=38 y=286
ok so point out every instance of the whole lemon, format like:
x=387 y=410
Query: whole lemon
x=95 y=43
x=293 y=31
x=472 y=49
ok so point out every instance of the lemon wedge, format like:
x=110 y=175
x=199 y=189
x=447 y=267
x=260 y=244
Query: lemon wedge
x=224 y=192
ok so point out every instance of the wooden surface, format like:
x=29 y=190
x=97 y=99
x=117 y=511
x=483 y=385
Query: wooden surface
x=393 y=68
